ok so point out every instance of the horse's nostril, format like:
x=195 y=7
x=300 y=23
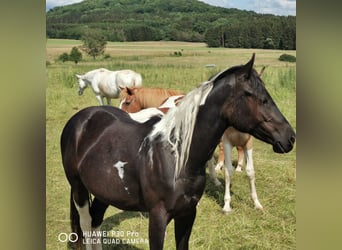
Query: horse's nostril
x=292 y=139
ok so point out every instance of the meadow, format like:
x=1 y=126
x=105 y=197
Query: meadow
x=245 y=227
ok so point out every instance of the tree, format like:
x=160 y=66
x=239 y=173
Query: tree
x=64 y=57
x=268 y=43
x=94 y=43
x=75 y=55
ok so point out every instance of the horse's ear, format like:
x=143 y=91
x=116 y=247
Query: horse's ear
x=248 y=67
x=262 y=71
x=78 y=76
x=129 y=91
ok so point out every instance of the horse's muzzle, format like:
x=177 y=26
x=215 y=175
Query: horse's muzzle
x=281 y=148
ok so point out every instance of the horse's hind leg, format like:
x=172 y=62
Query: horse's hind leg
x=97 y=211
x=251 y=174
x=220 y=160
x=212 y=172
x=80 y=215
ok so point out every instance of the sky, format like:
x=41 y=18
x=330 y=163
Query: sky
x=275 y=7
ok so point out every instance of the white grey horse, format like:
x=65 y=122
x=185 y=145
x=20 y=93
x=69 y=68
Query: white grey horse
x=107 y=83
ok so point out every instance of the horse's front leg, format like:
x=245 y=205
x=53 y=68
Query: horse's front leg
x=183 y=226
x=108 y=101
x=251 y=174
x=241 y=159
x=228 y=174
x=158 y=220
x=99 y=98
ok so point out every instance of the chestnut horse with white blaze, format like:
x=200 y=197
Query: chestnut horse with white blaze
x=136 y=99
x=159 y=166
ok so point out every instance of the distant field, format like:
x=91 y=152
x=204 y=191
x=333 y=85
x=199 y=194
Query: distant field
x=245 y=228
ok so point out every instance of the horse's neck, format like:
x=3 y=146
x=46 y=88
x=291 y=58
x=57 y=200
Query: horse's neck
x=208 y=131
x=151 y=99
x=89 y=77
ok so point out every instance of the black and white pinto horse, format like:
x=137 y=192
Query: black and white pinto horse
x=159 y=166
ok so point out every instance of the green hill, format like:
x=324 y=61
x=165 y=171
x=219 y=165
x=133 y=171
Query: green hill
x=178 y=20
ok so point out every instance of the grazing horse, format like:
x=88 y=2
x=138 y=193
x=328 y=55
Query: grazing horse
x=136 y=99
x=159 y=166
x=107 y=83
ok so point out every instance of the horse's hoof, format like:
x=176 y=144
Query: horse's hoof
x=219 y=166
x=226 y=210
x=238 y=169
x=258 y=206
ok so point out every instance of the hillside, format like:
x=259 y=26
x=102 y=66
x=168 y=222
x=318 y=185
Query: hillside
x=178 y=20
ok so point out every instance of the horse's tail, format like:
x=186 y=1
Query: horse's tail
x=75 y=223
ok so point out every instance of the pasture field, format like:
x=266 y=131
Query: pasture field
x=245 y=227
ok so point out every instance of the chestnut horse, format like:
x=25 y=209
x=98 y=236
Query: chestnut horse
x=136 y=99
x=159 y=166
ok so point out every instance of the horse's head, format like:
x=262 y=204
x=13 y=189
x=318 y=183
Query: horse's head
x=250 y=108
x=129 y=102
x=81 y=84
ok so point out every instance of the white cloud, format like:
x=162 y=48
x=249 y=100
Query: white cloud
x=53 y=3
x=62 y=2
x=276 y=7
x=221 y=3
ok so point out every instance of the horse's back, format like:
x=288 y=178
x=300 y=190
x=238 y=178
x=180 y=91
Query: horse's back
x=100 y=124
x=87 y=124
x=154 y=97
x=128 y=78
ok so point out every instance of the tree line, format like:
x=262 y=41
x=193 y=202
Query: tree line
x=177 y=20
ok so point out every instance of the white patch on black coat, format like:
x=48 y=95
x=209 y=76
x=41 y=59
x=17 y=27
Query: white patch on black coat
x=120 y=167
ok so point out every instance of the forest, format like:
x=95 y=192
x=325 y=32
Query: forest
x=176 y=20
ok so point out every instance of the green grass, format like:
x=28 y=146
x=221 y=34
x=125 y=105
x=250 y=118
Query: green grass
x=245 y=227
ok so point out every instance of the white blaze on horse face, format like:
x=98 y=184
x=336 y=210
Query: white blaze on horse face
x=120 y=167
x=122 y=102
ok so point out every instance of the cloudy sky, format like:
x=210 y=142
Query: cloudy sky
x=276 y=7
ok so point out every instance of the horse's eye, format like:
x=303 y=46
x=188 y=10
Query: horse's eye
x=265 y=101
x=127 y=103
x=247 y=93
